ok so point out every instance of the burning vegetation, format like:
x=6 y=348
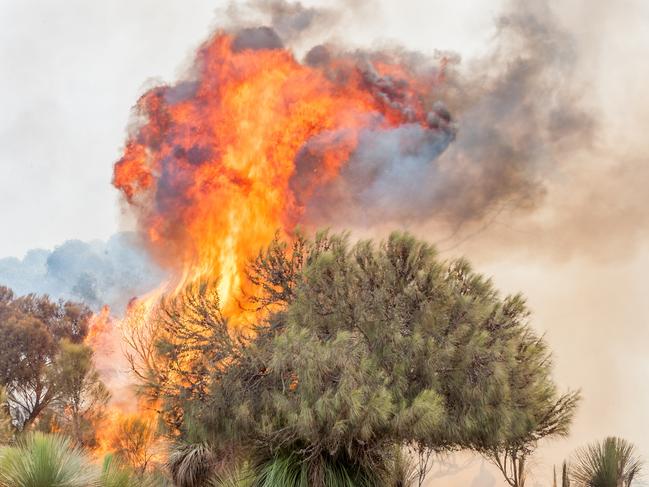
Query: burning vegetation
x=268 y=358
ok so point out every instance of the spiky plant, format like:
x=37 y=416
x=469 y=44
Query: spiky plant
x=290 y=470
x=565 y=475
x=613 y=462
x=191 y=465
x=40 y=460
x=116 y=474
x=404 y=471
x=238 y=476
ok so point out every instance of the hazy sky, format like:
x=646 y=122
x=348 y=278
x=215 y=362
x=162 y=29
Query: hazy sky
x=72 y=69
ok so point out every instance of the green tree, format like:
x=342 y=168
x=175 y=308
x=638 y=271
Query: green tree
x=547 y=414
x=364 y=349
x=31 y=330
x=82 y=396
x=613 y=462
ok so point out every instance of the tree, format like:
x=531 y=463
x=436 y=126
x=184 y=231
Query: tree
x=31 y=330
x=547 y=416
x=175 y=351
x=613 y=462
x=6 y=425
x=82 y=396
x=362 y=350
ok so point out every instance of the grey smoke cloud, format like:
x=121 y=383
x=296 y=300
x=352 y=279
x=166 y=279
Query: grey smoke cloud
x=96 y=273
x=516 y=116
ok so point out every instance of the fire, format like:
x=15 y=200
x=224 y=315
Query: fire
x=105 y=338
x=126 y=411
x=220 y=162
x=224 y=160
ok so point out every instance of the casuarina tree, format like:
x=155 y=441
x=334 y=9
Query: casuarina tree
x=362 y=350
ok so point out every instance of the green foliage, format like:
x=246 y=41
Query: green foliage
x=290 y=470
x=233 y=476
x=403 y=471
x=613 y=462
x=32 y=328
x=364 y=348
x=40 y=460
x=117 y=474
x=550 y=415
x=82 y=396
x=175 y=352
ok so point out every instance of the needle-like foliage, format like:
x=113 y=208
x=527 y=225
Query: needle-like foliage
x=613 y=462
x=116 y=474
x=40 y=460
x=363 y=349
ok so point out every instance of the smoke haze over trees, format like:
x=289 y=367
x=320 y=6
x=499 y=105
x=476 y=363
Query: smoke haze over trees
x=97 y=273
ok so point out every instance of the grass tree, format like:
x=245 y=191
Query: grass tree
x=40 y=460
x=565 y=475
x=115 y=473
x=613 y=462
x=191 y=464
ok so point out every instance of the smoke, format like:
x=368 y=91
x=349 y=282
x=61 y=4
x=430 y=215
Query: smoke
x=256 y=38
x=500 y=126
x=293 y=23
x=517 y=116
x=96 y=273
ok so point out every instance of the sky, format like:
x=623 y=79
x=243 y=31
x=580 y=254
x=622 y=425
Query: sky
x=72 y=70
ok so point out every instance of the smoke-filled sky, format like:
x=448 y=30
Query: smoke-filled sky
x=554 y=94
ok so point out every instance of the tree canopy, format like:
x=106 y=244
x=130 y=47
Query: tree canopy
x=32 y=329
x=362 y=349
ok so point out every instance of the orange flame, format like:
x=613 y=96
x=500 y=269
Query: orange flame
x=220 y=163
